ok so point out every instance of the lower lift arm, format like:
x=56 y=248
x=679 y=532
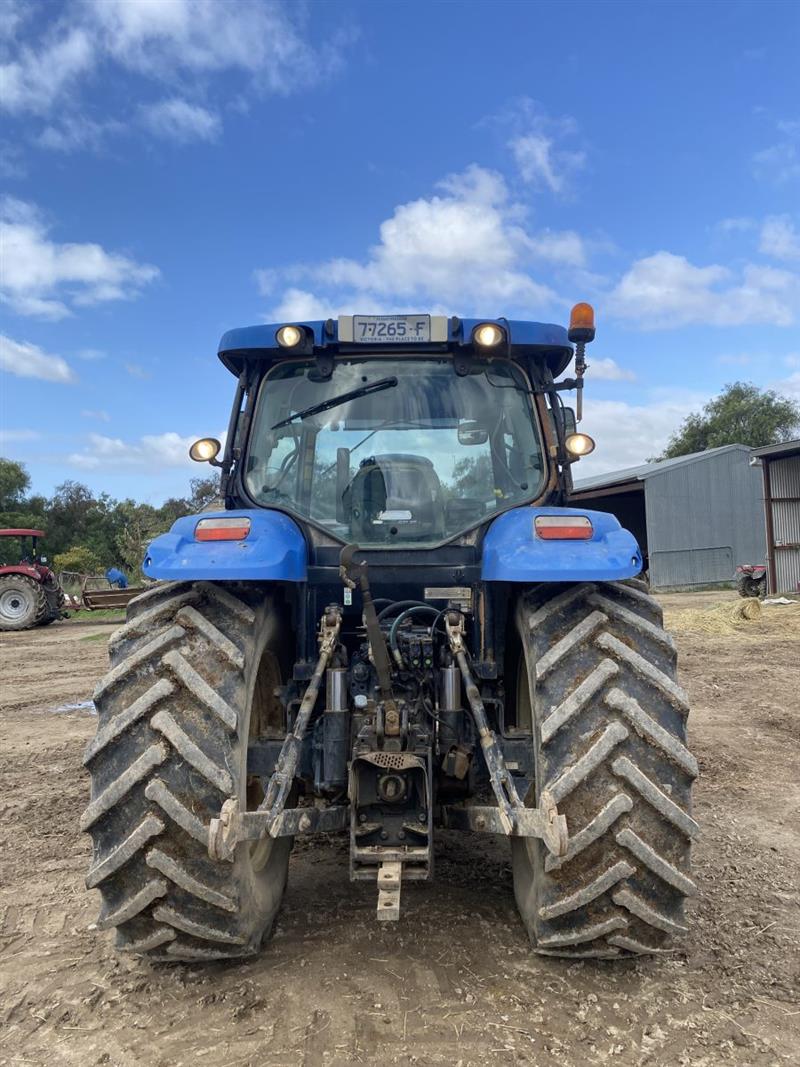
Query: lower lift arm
x=510 y=817
x=271 y=818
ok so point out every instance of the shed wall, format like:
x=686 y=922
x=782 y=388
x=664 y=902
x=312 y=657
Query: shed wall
x=703 y=519
x=785 y=488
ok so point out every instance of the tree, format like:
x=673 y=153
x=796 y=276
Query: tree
x=742 y=414
x=75 y=516
x=204 y=491
x=139 y=524
x=14 y=484
x=77 y=560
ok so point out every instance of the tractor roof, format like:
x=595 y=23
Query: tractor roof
x=21 y=533
x=544 y=340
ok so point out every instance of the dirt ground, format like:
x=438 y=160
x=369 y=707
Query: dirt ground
x=453 y=982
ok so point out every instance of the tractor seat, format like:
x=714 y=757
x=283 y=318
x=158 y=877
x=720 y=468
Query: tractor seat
x=395 y=497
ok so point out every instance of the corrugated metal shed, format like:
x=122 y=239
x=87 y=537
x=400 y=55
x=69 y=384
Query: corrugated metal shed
x=781 y=467
x=696 y=517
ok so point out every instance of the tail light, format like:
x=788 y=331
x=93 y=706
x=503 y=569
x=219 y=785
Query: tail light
x=563 y=527
x=222 y=529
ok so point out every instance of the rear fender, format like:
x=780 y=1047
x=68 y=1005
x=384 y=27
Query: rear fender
x=21 y=569
x=273 y=551
x=513 y=553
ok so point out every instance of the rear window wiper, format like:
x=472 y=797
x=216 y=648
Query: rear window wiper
x=335 y=401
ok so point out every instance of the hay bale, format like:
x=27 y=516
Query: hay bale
x=746 y=609
x=735 y=617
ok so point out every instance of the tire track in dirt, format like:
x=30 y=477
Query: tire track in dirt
x=454 y=981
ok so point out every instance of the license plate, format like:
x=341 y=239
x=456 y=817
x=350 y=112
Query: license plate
x=391 y=329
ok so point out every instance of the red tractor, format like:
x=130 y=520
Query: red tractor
x=751 y=580
x=29 y=591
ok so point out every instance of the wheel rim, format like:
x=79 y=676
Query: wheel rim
x=14 y=605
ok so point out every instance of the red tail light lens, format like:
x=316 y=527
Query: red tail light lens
x=222 y=529
x=563 y=527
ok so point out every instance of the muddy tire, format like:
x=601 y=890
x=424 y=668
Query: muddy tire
x=752 y=587
x=193 y=676
x=609 y=727
x=23 y=603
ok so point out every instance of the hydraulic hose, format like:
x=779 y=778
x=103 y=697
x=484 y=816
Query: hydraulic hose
x=397 y=604
x=414 y=609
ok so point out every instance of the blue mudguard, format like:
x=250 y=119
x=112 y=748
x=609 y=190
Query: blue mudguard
x=273 y=551
x=513 y=553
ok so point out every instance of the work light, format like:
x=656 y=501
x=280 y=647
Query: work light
x=205 y=450
x=579 y=444
x=487 y=335
x=289 y=336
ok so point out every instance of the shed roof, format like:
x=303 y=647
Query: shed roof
x=782 y=451
x=649 y=470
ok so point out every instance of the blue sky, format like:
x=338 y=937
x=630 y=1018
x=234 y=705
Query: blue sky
x=174 y=168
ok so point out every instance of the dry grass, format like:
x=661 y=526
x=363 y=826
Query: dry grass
x=738 y=617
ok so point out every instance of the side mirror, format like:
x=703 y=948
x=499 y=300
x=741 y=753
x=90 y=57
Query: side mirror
x=570 y=423
x=472 y=433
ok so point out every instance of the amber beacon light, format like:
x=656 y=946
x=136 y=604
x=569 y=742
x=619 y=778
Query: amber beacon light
x=581 y=323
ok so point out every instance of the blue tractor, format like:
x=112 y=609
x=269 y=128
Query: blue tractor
x=395 y=624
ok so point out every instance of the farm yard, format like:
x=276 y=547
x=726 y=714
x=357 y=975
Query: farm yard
x=454 y=982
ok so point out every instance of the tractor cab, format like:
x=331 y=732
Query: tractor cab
x=398 y=431
x=20 y=546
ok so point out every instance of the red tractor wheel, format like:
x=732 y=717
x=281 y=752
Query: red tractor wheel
x=23 y=603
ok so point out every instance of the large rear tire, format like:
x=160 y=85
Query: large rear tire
x=597 y=685
x=23 y=603
x=194 y=674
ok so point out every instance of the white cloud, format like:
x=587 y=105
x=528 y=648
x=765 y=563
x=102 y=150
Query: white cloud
x=610 y=371
x=629 y=434
x=565 y=247
x=297 y=305
x=151 y=452
x=263 y=41
x=779 y=238
x=541 y=163
x=462 y=250
x=102 y=416
x=178 y=120
x=136 y=370
x=739 y=359
x=789 y=386
x=27 y=360
x=41 y=277
x=665 y=290
x=538 y=145
x=91 y=354
x=11 y=160
x=14 y=437
x=13 y=14
x=37 y=79
x=780 y=163
x=71 y=132
x=739 y=224
x=155 y=38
